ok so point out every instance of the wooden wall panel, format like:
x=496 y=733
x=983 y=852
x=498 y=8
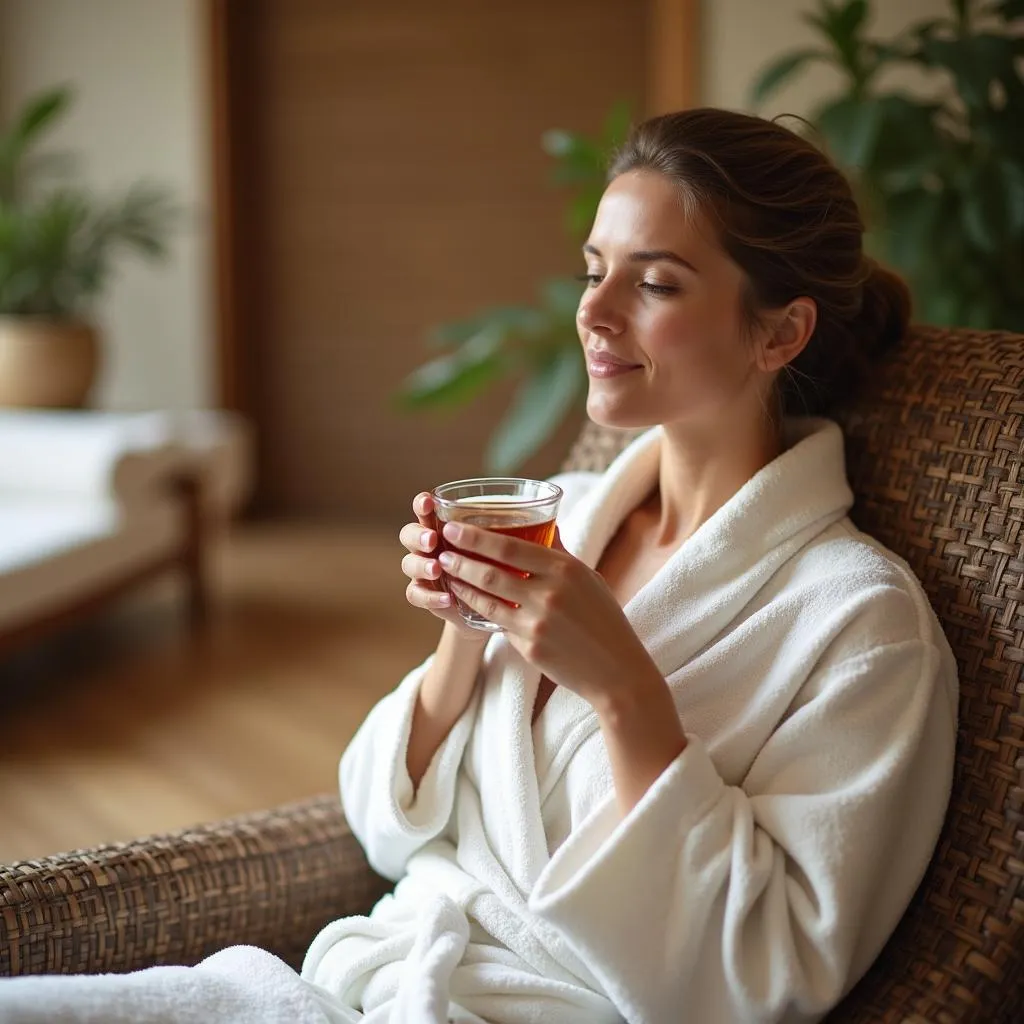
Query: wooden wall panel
x=388 y=176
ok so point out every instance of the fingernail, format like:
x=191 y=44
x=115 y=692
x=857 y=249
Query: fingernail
x=444 y=600
x=427 y=540
x=453 y=532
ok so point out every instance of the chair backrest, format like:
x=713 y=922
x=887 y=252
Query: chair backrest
x=935 y=456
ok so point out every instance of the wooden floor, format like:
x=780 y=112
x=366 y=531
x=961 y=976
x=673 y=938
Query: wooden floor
x=132 y=725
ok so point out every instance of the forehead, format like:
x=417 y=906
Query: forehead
x=646 y=210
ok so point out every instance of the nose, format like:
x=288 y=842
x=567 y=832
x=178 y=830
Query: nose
x=597 y=313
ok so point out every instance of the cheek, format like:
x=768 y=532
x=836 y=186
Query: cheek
x=699 y=339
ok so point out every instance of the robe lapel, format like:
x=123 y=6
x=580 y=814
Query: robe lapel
x=704 y=586
x=699 y=591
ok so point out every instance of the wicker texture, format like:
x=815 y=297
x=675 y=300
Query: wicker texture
x=270 y=879
x=935 y=457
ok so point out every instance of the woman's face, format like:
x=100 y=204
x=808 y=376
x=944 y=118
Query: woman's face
x=663 y=298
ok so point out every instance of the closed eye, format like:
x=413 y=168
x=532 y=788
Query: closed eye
x=651 y=287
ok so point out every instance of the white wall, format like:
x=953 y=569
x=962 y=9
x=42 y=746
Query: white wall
x=141 y=111
x=741 y=36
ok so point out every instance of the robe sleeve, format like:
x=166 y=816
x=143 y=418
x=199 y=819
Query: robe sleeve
x=766 y=901
x=390 y=821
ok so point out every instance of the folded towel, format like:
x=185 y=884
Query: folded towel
x=238 y=985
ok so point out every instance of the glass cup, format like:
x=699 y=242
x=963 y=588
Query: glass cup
x=504 y=504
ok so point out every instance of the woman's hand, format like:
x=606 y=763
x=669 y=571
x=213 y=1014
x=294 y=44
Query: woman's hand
x=420 y=539
x=568 y=623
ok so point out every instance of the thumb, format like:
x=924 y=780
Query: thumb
x=556 y=543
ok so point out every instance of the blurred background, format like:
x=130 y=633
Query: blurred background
x=268 y=268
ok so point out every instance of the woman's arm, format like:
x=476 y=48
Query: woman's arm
x=398 y=774
x=443 y=697
x=641 y=731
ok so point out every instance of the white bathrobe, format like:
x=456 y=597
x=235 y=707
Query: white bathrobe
x=761 y=873
x=754 y=881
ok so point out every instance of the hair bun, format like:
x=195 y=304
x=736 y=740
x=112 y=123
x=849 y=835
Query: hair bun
x=885 y=309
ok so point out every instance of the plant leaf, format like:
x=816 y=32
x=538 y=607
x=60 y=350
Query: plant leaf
x=509 y=320
x=37 y=114
x=772 y=77
x=907 y=144
x=850 y=127
x=840 y=24
x=454 y=379
x=617 y=124
x=851 y=18
x=579 y=161
x=583 y=209
x=910 y=219
x=1013 y=189
x=40 y=111
x=986 y=208
x=1009 y=10
x=540 y=405
x=562 y=297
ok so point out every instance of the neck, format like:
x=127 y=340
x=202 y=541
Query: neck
x=701 y=470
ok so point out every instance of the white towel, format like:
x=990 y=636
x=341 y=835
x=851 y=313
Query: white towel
x=127 y=457
x=238 y=985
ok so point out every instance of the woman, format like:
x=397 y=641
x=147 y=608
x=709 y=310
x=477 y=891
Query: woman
x=701 y=773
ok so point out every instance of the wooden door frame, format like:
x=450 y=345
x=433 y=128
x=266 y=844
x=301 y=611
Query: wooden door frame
x=673 y=74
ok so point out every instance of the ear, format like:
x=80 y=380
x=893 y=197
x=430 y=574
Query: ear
x=791 y=330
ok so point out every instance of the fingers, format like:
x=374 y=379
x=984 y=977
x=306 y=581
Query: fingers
x=423 y=507
x=417 y=538
x=417 y=567
x=491 y=608
x=484 y=576
x=421 y=596
x=425 y=572
x=513 y=552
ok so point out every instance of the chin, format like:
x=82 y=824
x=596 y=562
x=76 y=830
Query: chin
x=620 y=417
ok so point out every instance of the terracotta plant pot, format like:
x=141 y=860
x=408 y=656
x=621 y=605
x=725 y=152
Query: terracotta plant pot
x=46 y=363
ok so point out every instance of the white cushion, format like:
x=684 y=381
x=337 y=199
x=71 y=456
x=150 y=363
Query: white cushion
x=32 y=530
x=61 y=557
x=85 y=499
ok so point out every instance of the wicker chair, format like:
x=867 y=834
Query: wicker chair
x=936 y=458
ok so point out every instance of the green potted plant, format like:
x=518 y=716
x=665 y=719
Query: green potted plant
x=538 y=344
x=941 y=179
x=57 y=247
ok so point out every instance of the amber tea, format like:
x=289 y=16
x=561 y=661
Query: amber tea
x=509 y=505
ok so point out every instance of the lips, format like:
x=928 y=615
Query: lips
x=607 y=358
x=604 y=365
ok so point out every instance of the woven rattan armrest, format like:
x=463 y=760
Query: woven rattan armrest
x=269 y=879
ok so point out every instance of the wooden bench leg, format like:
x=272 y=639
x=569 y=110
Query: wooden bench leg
x=193 y=556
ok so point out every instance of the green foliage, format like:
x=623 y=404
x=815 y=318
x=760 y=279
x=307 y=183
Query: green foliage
x=941 y=180
x=537 y=343
x=57 y=246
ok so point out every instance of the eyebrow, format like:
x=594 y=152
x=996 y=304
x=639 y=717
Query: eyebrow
x=649 y=256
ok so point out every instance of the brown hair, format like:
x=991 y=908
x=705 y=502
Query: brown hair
x=787 y=216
